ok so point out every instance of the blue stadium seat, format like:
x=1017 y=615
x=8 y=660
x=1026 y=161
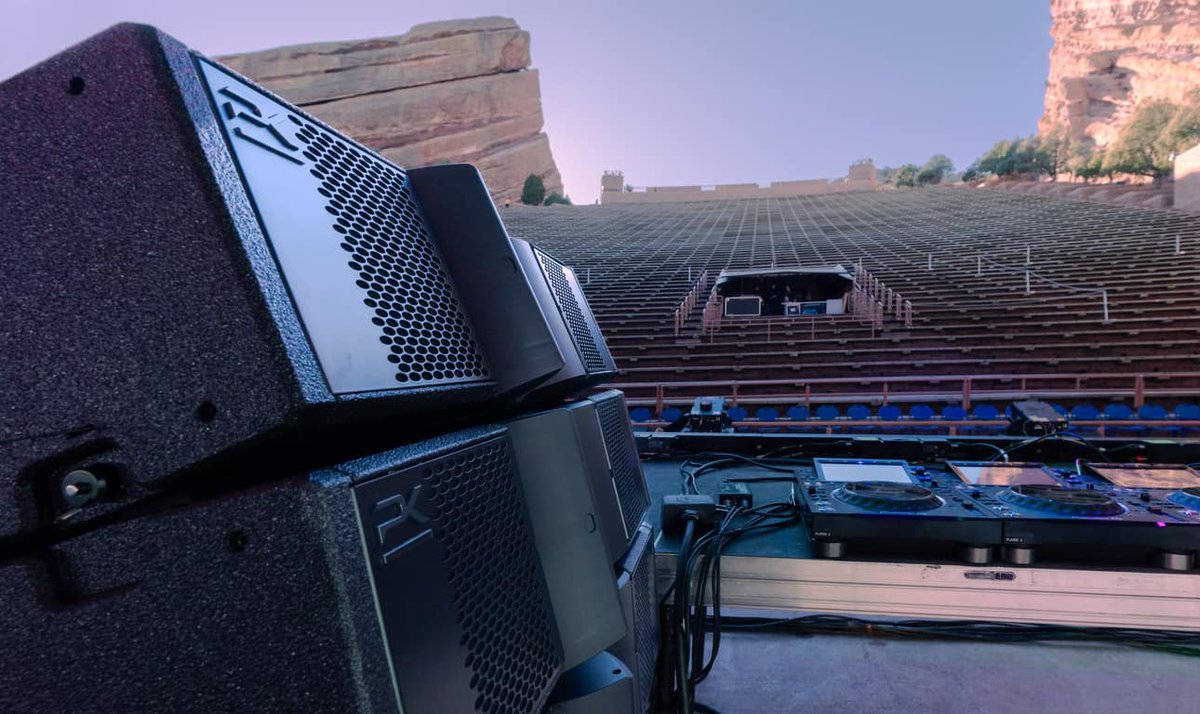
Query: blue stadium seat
x=1187 y=410
x=921 y=412
x=1152 y=412
x=738 y=414
x=954 y=412
x=639 y=414
x=859 y=412
x=767 y=415
x=828 y=412
x=1116 y=410
x=1155 y=412
x=889 y=412
x=670 y=414
x=798 y=413
x=1060 y=409
x=1084 y=412
x=984 y=412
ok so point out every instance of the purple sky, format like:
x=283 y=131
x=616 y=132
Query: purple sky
x=680 y=91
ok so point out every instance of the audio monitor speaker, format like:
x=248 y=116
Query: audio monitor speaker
x=587 y=359
x=571 y=469
x=193 y=267
x=408 y=581
x=639 y=602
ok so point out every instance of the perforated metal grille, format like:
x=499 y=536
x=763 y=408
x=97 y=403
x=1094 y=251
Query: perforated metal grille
x=645 y=625
x=627 y=474
x=569 y=307
x=402 y=277
x=498 y=593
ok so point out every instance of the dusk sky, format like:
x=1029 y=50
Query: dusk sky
x=679 y=92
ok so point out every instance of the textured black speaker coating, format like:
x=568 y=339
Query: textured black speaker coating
x=556 y=274
x=151 y=299
x=587 y=360
x=454 y=562
x=267 y=601
x=640 y=600
x=632 y=491
x=402 y=277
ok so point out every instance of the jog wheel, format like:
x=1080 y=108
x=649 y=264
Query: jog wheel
x=1188 y=498
x=1062 y=501
x=887 y=496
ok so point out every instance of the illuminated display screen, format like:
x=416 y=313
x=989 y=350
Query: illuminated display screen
x=1147 y=475
x=987 y=473
x=855 y=471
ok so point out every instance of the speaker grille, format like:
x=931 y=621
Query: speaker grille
x=627 y=474
x=400 y=272
x=505 y=616
x=645 y=625
x=569 y=306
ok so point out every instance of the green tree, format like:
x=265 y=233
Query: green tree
x=998 y=160
x=1086 y=162
x=556 y=197
x=534 y=191
x=906 y=175
x=934 y=170
x=1143 y=147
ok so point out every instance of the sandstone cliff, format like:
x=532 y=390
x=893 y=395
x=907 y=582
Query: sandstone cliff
x=451 y=91
x=1109 y=55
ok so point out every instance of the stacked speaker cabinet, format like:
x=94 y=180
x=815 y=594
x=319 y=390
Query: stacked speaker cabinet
x=588 y=501
x=586 y=356
x=405 y=582
x=209 y=298
x=194 y=268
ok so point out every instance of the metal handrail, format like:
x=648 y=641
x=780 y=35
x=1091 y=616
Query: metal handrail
x=969 y=385
x=952 y=425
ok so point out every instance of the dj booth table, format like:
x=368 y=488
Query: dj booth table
x=775 y=573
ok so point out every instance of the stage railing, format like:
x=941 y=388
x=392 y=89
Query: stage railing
x=952 y=427
x=893 y=389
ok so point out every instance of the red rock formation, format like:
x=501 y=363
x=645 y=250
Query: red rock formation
x=451 y=91
x=1109 y=55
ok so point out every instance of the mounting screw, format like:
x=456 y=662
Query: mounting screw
x=80 y=488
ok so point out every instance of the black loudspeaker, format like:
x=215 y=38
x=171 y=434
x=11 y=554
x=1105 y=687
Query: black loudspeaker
x=601 y=685
x=576 y=523
x=639 y=603
x=587 y=500
x=625 y=469
x=408 y=581
x=587 y=359
x=193 y=267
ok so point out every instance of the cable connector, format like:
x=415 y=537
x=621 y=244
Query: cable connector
x=678 y=509
x=735 y=495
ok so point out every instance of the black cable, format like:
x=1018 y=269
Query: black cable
x=1063 y=435
x=679 y=619
x=960 y=445
x=1186 y=643
x=719 y=460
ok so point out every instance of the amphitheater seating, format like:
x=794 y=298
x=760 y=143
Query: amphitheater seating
x=634 y=261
